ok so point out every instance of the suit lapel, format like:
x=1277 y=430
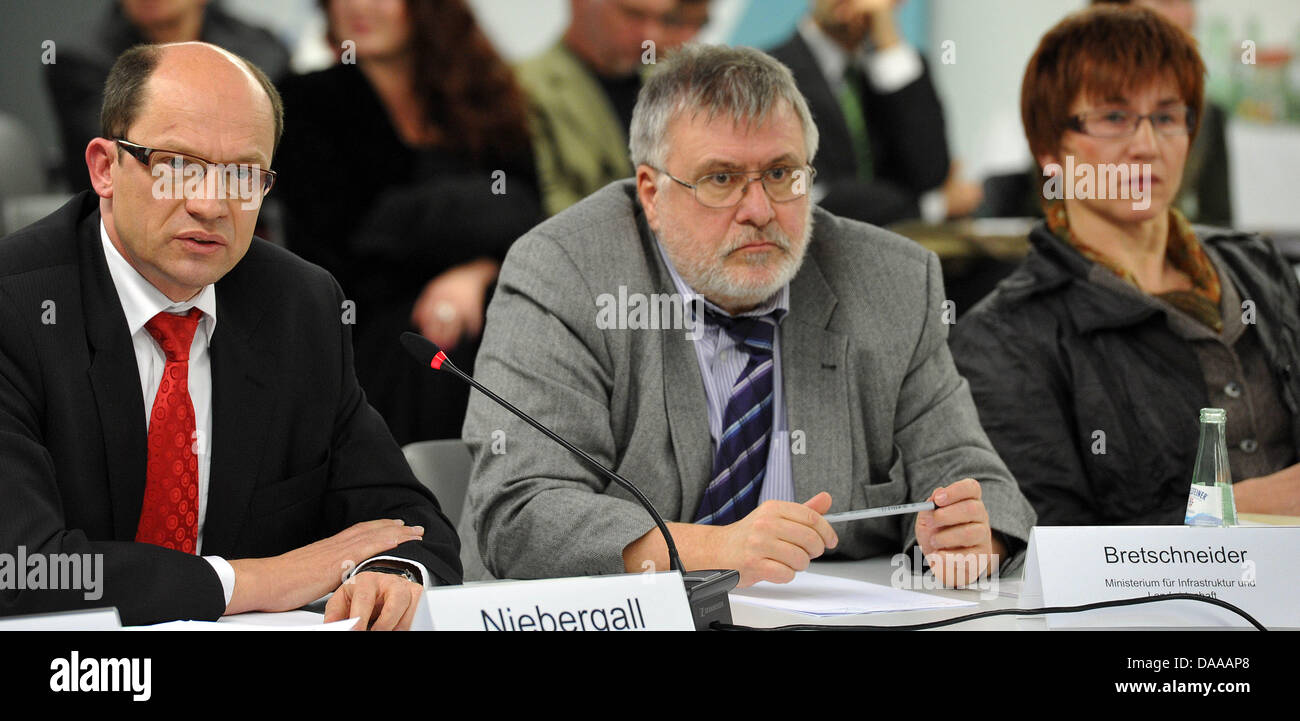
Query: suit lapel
x=115 y=382
x=814 y=376
x=241 y=407
x=688 y=418
x=685 y=403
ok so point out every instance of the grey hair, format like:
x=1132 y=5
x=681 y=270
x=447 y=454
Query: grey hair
x=743 y=84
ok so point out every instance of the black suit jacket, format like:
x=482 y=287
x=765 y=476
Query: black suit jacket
x=909 y=149
x=297 y=453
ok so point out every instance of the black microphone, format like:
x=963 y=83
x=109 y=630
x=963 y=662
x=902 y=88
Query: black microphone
x=706 y=590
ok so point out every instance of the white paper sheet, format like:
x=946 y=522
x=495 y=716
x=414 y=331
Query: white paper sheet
x=814 y=594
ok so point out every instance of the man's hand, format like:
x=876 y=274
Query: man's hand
x=955 y=537
x=1277 y=493
x=776 y=540
x=849 y=9
x=296 y=578
x=451 y=305
x=871 y=16
x=383 y=602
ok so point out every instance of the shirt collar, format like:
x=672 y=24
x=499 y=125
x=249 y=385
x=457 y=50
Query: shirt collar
x=830 y=56
x=141 y=301
x=776 y=306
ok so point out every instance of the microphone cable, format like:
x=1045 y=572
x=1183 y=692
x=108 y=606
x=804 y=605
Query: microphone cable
x=717 y=626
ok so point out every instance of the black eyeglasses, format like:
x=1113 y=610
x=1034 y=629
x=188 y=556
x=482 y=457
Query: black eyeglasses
x=1124 y=123
x=726 y=189
x=249 y=177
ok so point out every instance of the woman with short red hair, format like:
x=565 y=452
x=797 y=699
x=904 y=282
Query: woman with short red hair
x=1090 y=362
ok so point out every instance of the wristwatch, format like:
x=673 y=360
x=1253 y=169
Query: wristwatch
x=406 y=573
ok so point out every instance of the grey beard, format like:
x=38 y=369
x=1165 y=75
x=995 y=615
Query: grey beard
x=712 y=281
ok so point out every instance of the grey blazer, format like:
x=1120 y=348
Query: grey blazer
x=868 y=380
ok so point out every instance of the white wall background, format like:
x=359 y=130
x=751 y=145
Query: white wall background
x=981 y=90
x=520 y=28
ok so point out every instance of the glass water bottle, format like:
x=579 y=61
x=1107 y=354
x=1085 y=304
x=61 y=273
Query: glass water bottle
x=1212 y=462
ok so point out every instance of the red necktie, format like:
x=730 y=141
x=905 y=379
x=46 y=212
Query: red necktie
x=169 y=516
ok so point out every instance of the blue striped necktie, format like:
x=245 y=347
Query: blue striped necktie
x=740 y=461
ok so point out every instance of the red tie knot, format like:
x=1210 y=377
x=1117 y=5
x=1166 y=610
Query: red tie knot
x=174 y=333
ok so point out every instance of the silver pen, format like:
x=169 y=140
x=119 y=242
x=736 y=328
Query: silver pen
x=879 y=512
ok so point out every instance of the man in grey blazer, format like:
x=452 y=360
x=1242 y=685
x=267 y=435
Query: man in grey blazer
x=818 y=373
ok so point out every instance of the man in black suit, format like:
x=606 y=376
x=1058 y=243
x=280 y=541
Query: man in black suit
x=885 y=155
x=258 y=446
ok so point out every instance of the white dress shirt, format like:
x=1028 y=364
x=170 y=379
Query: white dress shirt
x=141 y=301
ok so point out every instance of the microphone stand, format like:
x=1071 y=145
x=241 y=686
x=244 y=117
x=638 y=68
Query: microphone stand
x=706 y=590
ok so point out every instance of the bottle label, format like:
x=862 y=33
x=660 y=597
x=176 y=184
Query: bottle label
x=1204 y=506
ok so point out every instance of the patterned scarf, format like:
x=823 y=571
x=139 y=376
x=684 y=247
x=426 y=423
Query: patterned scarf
x=1182 y=250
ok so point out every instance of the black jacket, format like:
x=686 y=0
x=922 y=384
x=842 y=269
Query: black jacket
x=909 y=148
x=297 y=454
x=385 y=219
x=1052 y=359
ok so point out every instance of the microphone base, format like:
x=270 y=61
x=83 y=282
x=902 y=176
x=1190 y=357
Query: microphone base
x=707 y=593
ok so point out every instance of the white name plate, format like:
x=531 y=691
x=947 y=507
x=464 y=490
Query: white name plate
x=628 y=602
x=1251 y=568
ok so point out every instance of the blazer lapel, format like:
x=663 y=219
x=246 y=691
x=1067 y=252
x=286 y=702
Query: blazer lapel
x=684 y=400
x=115 y=383
x=241 y=407
x=688 y=418
x=814 y=376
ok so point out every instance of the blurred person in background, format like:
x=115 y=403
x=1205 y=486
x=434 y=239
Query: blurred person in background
x=681 y=24
x=885 y=154
x=1090 y=362
x=581 y=90
x=1206 y=193
x=76 y=78
x=406 y=171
